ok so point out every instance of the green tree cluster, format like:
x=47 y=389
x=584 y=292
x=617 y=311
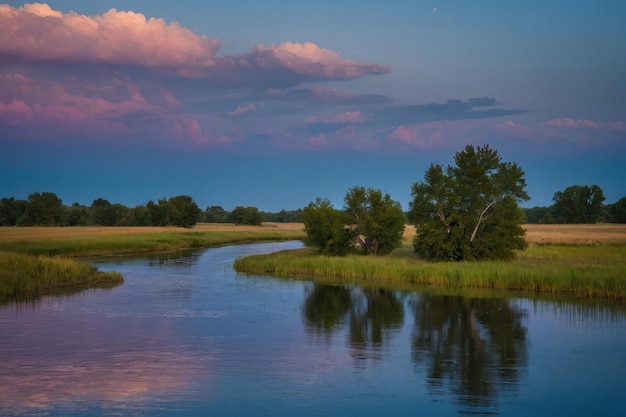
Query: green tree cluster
x=370 y=220
x=579 y=204
x=469 y=211
x=47 y=209
x=246 y=215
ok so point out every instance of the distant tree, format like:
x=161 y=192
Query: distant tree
x=246 y=215
x=377 y=220
x=140 y=216
x=215 y=214
x=11 y=210
x=183 y=211
x=43 y=209
x=616 y=212
x=103 y=213
x=578 y=204
x=547 y=218
x=159 y=214
x=327 y=228
x=77 y=215
x=284 y=216
x=535 y=214
x=469 y=210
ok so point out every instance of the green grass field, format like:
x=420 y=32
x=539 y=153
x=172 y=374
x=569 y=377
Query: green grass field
x=588 y=261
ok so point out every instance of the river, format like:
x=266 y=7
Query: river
x=185 y=335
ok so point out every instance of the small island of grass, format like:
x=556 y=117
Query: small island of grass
x=583 y=260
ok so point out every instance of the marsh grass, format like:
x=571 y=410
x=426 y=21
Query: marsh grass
x=36 y=260
x=33 y=275
x=590 y=263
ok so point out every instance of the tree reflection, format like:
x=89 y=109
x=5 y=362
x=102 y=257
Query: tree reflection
x=371 y=313
x=469 y=346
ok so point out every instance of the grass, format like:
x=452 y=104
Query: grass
x=24 y=275
x=587 y=261
x=41 y=260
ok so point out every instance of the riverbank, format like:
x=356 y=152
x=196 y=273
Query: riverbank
x=44 y=260
x=583 y=260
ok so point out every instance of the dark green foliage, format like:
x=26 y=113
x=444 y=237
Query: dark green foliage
x=326 y=228
x=77 y=215
x=246 y=215
x=179 y=211
x=215 y=214
x=284 y=216
x=11 y=210
x=183 y=211
x=377 y=220
x=578 y=204
x=43 y=209
x=370 y=220
x=469 y=210
x=535 y=214
x=616 y=212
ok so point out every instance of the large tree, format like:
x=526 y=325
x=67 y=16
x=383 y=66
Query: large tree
x=469 y=210
x=578 y=204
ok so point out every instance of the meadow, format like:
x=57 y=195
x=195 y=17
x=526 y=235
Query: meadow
x=43 y=260
x=583 y=260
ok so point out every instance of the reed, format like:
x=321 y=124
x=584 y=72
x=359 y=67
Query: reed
x=27 y=275
x=584 y=271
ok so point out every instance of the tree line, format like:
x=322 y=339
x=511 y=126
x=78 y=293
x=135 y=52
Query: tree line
x=47 y=209
x=579 y=204
x=465 y=211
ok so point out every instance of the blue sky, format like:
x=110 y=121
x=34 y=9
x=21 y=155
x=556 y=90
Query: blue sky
x=275 y=103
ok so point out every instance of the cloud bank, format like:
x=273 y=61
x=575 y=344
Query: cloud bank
x=35 y=33
x=122 y=75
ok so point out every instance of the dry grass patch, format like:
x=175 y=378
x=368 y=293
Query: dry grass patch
x=562 y=234
x=575 y=234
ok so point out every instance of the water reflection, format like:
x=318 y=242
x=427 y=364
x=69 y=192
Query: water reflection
x=470 y=347
x=473 y=349
x=371 y=314
x=190 y=337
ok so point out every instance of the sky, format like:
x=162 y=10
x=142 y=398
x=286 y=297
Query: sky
x=272 y=104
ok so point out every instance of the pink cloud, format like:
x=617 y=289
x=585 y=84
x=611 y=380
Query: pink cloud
x=242 y=109
x=191 y=129
x=350 y=137
x=568 y=123
x=349 y=117
x=416 y=136
x=35 y=33
x=309 y=59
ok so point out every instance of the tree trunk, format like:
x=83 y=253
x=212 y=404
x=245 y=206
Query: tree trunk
x=480 y=219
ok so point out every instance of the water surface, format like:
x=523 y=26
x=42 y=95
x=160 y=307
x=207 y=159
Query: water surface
x=186 y=335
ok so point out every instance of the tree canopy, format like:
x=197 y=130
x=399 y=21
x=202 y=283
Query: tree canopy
x=469 y=210
x=578 y=204
x=370 y=220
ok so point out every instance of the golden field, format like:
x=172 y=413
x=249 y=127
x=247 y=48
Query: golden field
x=565 y=234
